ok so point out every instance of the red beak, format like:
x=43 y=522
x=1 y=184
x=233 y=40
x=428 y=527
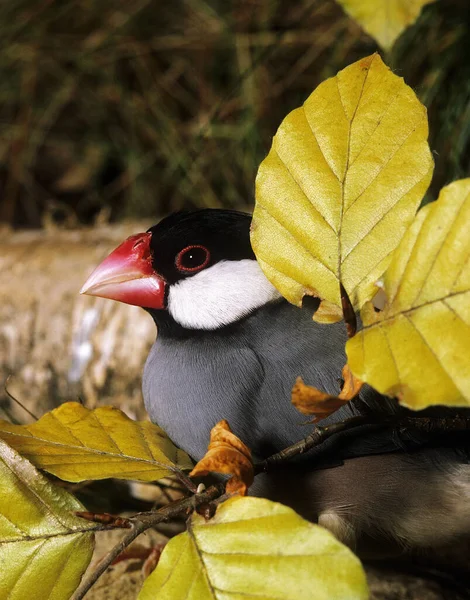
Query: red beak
x=127 y=275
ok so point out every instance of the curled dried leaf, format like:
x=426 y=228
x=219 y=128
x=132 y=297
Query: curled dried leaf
x=229 y=455
x=310 y=400
x=351 y=386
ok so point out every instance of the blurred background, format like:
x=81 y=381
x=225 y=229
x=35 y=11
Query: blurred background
x=112 y=109
x=114 y=113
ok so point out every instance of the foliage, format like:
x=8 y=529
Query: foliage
x=418 y=347
x=365 y=134
x=254 y=547
x=75 y=443
x=43 y=546
x=350 y=212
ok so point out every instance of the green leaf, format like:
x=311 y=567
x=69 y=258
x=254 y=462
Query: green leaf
x=343 y=180
x=418 y=347
x=254 y=548
x=44 y=547
x=76 y=444
x=384 y=20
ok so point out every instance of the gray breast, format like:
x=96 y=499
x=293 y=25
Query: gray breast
x=243 y=374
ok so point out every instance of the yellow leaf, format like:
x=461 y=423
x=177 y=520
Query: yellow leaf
x=254 y=548
x=227 y=454
x=75 y=444
x=44 y=547
x=418 y=348
x=384 y=20
x=343 y=180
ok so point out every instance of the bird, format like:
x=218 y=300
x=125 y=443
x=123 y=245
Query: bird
x=229 y=346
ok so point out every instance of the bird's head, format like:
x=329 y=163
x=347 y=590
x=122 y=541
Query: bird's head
x=197 y=268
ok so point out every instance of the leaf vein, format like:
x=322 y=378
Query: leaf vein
x=87 y=449
x=392 y=355
x=289 y=172
x=383 y=167
x=382 y=217
x=348 y=152
x=316 y=258
x=379 y=120
x=22 y=572
x=106 y=432
x=319 y=147
x=30 y=490
x=432 y=351
x=204 y=570
x=393 y=316
x=441 y=246
x=66 y=427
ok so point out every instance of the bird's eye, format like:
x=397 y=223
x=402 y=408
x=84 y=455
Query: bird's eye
x=192 y=259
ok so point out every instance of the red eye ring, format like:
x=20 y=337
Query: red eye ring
x=179 y=257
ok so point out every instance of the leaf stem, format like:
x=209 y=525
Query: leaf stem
x=349 y=315
x=186 y=481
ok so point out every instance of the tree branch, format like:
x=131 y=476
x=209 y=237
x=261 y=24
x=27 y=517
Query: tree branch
x=141 y=523
x=317 y=437
x=435 y=425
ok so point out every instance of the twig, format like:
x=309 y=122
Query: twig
x=10 y=395
x=186 y=481
x=105 y=519
x=141 y=523
x=443 y=425
x=320 y=434
x=317 y=437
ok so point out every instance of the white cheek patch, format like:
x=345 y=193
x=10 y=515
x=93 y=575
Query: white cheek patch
x=219 y=295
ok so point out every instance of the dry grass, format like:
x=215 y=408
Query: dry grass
x=112 y=108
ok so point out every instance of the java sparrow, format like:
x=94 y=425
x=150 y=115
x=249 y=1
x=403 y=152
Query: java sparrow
x=230 y=347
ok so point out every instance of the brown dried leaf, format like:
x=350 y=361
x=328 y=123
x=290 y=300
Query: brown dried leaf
x=311 y=401
x=351 y=386
x=229 y=455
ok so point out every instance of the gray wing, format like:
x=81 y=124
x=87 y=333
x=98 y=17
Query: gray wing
x=316 y=352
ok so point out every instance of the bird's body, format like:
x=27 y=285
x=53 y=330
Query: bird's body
x=244 y=373
x=229 y=347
